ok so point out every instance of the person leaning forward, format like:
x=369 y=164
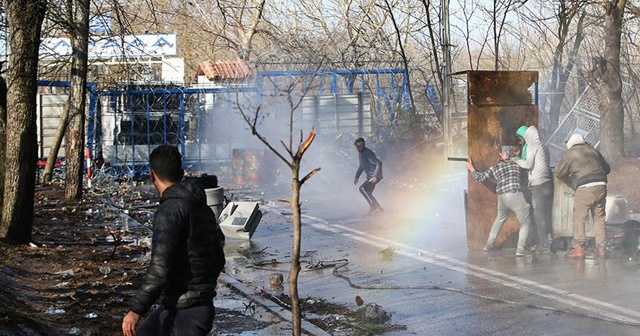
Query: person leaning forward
x=372 y=167
x=186 y=256
x=510 y=199
x=535 y=158
x=585 y=170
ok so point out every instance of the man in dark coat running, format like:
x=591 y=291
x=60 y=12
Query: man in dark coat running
x=372 y=167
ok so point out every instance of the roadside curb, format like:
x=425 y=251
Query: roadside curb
x=249 y=292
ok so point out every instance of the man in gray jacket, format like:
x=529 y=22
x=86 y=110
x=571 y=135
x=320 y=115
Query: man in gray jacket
x=535 y=158
x=584 y=170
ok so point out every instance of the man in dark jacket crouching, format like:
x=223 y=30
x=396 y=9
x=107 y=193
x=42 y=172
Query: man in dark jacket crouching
x=186 y=256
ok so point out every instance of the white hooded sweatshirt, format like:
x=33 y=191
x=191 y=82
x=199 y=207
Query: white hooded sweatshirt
x=537 y=160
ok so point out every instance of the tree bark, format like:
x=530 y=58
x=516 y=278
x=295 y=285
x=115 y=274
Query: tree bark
x=24 y=19
x=560 y=76
x=294 y=271
x=612 y=106
x=74 y=150
x=3 y=130
x=47 y=173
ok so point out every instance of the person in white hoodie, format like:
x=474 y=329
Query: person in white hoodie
x=534 y=157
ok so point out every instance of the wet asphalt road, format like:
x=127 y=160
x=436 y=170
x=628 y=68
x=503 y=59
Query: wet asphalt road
x=431 y=282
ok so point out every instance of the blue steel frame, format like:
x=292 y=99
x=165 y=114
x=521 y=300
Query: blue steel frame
x=113 y=96
x=389 y=96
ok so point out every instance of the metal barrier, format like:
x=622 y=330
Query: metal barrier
x=583 y=118
x=126 y=124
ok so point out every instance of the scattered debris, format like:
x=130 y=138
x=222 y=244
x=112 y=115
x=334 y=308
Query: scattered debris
x=386 y=254
x=359 y=301
x=276 y=280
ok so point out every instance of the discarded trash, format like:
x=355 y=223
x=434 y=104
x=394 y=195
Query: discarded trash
x=239 y=220
x=276 y=280
x=54 y=311
x=386 y=254
x=91 y=316
x=74 y=331
x=105 y=269
x=67 y=274
x=375 y=314
x=215 y=199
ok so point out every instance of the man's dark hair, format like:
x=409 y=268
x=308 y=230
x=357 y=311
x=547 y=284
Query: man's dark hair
x=166 y=162
x=358 y=140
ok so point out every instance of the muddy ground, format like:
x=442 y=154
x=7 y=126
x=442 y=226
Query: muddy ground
x=87 y=260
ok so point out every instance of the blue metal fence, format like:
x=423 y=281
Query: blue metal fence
x=125 y=125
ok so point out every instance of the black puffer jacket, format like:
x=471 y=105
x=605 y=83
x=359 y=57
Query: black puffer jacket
x=186 y=251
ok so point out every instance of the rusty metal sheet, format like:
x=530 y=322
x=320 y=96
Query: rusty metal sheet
x=491 y=124
x=500 y=88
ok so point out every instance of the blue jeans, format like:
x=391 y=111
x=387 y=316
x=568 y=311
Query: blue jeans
x=175 y=322
x=516 y=203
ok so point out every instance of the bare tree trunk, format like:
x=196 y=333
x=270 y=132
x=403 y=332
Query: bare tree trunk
x=25 y=20
x=295 y=253
x=405 y=62
x=560 y=77
x=74 y=150
x=3 y=131
x=293 y=162
x=47 y=173
x=612 y=116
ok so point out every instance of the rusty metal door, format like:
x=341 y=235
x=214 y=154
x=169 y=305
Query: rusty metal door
x=499 y=102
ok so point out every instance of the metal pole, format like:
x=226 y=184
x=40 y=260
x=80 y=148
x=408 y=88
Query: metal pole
x=446 y=82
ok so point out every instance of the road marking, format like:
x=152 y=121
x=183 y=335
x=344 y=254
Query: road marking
x=566 y=297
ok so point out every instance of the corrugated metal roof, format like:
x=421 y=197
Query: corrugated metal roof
x=216 y=70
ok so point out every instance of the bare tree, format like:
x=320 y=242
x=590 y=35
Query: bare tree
x=560 y=73
x=71 y=124
x=405 y=61
x=78 y=14
x=3 y=130
x=292 y=152
x=498 y=13
x=231 y=25
x=25 y=19
x=567 y=24
x=606 y=77
x=3 y=102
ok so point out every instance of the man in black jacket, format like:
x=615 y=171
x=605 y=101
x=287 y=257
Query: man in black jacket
x=372 y=167
x=186 y=256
